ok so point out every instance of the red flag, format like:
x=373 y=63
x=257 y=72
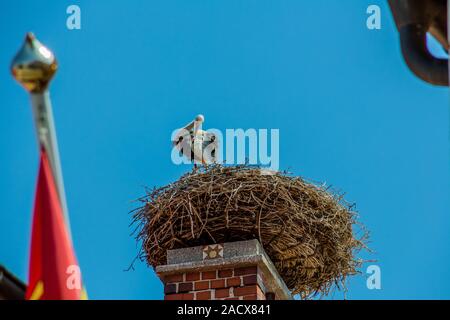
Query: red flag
x=54 y=273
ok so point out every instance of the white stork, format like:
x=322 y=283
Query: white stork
x=192 y=142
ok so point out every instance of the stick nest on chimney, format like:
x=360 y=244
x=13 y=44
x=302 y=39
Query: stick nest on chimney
x=307 y=230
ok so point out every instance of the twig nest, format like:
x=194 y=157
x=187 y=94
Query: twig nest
x=306 y=230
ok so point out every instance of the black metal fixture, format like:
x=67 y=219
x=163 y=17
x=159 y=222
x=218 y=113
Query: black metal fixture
x=414 y=18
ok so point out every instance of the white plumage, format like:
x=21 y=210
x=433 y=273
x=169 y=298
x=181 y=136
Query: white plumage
x=197 y=145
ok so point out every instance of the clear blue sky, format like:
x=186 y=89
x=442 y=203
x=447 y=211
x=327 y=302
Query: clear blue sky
x=349 y=112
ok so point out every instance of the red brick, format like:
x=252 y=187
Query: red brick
x=188 y=296
x=247 y=290
x=217 y=284
x=248 y=280
x=222 y=293
x=250 y=297
x=201 y=285
x=173 y=278
x=206 y=275
x=173 y=297
x=179 y=296
x=185 y=287
x=233 y=298
x=203 y=295
x=226 y=273
x=234 y=282
x=193 y=276
x=170 y=288
x=245 y=271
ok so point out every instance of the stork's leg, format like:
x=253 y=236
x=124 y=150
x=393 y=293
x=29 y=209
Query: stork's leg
x=193 y=159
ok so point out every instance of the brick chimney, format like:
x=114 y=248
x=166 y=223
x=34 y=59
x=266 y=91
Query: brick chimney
x=227 y=271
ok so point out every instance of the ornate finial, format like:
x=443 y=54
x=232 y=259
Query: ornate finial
x=34 y=65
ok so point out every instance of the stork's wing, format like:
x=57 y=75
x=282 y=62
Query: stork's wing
x=209 y=147
x=191 y=129
x=189 y=139
x=183 y=134
x=190 y=126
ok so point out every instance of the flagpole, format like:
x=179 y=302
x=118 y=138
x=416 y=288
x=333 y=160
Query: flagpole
x=33 y=67
x=45 y=130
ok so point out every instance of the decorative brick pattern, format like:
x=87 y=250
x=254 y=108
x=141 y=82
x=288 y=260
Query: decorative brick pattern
x=212 y=251
x=237 y=270
x=244 y=283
